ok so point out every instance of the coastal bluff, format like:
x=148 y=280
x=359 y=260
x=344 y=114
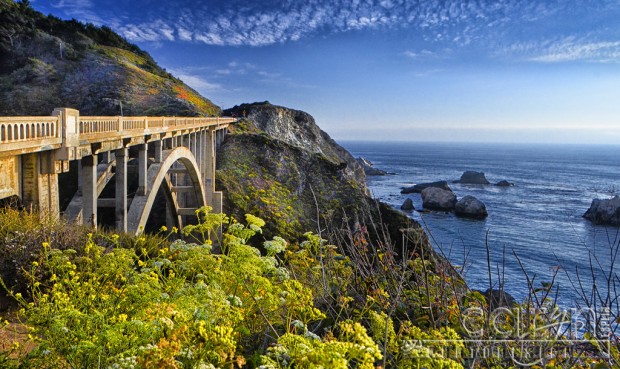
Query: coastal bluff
x=279 y=165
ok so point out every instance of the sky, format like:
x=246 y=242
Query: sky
x=426 y=70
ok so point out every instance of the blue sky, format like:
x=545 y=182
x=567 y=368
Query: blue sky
x=475 y=70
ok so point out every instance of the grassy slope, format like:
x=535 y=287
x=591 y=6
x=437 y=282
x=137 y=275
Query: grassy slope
x=47 y=63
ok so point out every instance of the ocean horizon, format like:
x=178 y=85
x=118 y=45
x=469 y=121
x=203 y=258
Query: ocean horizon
x=538 y=221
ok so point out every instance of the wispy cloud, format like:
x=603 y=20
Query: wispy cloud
x=78 y=9
x=237 y=68
x=602 y=52
x=195 y=81
x=567 y=49
x=264 y=23
x=423 y=54
x=439 y=26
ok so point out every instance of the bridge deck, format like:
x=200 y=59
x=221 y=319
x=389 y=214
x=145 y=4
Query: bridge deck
x=22 y=135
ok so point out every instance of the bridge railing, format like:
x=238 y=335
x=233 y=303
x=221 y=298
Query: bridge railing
x=22 y=129
x=65 y=127
x=98 y=124
x=93 y=125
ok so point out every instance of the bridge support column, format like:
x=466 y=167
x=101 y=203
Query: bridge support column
x=199 y=150
x=121 y=190
x=89 y=190
x=107 y=157
x=80 y=181
x=40 y=183
x=192 y=142
x=158 y=150
x=142 y=169
x=209 y=169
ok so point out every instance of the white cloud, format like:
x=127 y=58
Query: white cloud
x=602 y=52
x=568 y=49
x=422 y=54
x=458 y=22
x=78 y=9
x=195 y=81
x=184 y=34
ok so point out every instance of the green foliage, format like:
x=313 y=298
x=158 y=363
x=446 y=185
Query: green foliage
x=184 y=307
x=371 y=287
x=117 y=301
x=21 y=236
x=254 y=189
x=352 y=346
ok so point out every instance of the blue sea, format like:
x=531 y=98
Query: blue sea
x=537 y=221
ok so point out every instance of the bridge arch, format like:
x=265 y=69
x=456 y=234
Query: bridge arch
x=141 y=205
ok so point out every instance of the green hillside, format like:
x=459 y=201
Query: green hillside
x=46 y=62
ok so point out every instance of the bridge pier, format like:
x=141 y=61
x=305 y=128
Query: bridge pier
x=158 y=148
x=142 y=169
x=39 y=183
x=89 y=190
x=209 y=169
x=120 y=208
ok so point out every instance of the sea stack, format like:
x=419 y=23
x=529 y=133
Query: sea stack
x=504 y=183
x=605 y=211
x=434 y=198
x=472 y=177
x=421 y=186
x=470 y=207
x=369 y=168
x=407 y=205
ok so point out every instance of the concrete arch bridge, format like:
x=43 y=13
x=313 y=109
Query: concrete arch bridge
x=119 y=171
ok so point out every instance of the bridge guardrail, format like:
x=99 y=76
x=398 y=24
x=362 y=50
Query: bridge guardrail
x=92 y=125
x=20 y=129
x=37 y=131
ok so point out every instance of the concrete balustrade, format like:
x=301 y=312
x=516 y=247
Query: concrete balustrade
x=99 y=124
x=15 y=129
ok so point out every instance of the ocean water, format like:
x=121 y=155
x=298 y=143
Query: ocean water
x=539 y=219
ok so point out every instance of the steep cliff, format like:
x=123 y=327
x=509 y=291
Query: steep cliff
x=46 y=63
x=277 y=164
x=298 y=128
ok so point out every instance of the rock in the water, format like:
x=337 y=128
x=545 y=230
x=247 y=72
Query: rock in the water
x=434 y=198
x=369 y=169
x=471 y=177
x=504 y=183
x=407 y=205
x=499 y=298
x=421 y=186
x=470 y=207
x=606 y=211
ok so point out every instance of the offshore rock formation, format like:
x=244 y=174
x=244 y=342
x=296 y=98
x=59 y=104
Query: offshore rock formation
x=470 y=207
x=472 y=177
x=421 y=186
x=605 y=211
x=407 y=205
x=369 y=169
x=434 y=198
x=504 y=183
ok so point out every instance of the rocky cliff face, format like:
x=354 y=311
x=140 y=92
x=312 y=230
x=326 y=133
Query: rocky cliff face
x=298 y=128
x=47 y=63
x=277 y=164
